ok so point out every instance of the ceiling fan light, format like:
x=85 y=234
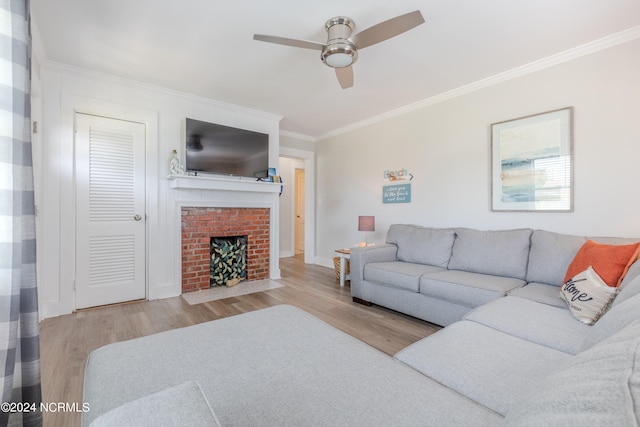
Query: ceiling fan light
x=339 y=55
x=339 y=60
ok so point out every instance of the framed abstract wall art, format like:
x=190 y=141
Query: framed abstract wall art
x=532 y=163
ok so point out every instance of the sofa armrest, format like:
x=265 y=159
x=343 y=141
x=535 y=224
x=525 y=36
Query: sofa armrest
x=362 y=256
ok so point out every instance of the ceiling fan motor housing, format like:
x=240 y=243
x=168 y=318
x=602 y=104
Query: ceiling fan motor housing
x=339 y=52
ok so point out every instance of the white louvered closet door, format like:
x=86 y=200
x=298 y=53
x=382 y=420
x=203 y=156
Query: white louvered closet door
x=110 y=211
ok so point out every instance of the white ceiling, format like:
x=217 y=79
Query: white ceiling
x=205 y=47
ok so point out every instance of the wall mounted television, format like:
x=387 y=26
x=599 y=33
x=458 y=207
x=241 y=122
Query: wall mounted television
x=222 y=150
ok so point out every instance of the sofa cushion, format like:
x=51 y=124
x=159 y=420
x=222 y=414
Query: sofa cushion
x=614 y=320
x=630 y=285
x=611 y=262
x=488 y=366
x=397 y=274
x=600 y=387
x=465 y=288
x=542 y=324
x=588 y=296
x=550 y=256
x=422 y=245
x=542 y=293
x=495 y=252
x=182 y=405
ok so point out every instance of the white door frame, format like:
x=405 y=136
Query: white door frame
x=309 y=201
x=80 y=104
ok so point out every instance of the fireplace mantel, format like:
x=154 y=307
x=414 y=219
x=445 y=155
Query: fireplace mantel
x=222 y=183
x=225 y=192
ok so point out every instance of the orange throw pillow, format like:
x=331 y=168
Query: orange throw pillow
x=611 y=262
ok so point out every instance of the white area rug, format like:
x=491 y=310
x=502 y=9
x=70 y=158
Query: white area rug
x=221 y=292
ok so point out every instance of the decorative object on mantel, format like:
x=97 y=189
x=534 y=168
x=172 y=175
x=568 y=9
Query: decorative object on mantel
x=397 y=186
x=273 y=177
x=366 y=224
x=278 y=179
x=175 y=168
x=532 y=163
x=271 y=173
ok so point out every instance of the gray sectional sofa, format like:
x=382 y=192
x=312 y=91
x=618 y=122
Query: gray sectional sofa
x=441 y=274
x=511 y=353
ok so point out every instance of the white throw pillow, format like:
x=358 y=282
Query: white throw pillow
x=588 y=296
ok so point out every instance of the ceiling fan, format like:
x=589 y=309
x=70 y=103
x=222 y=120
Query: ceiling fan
x=341 y=49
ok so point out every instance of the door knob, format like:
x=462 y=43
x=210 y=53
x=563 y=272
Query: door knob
x=137 y=217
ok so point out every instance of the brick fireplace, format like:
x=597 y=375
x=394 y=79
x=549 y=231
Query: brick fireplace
x=200 y=224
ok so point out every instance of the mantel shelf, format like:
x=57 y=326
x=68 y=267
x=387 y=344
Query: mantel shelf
x=222 y=183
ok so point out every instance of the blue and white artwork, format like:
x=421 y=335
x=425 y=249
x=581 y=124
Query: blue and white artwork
x=397 y=186
x=397 y=193
x=532 y=168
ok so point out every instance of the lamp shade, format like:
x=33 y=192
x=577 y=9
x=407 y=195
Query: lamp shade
x=366 y=223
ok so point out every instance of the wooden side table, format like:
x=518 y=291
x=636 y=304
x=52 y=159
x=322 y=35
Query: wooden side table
x=344 y=254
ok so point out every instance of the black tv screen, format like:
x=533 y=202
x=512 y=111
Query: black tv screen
x=224 y=150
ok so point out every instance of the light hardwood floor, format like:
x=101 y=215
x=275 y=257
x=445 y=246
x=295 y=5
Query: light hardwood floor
x=66 y=341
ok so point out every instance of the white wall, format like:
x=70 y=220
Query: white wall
x=65 y=90
x=297 y=141
x=447 y=147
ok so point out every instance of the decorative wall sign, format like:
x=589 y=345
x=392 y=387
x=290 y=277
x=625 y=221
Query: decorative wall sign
x=397 y=186
x=532 y=164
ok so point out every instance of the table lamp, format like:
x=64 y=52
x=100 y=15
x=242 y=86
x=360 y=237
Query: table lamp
x=366 y=224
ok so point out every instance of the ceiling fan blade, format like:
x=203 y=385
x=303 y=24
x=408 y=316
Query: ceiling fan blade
x=345 y=77
x=387 y=29
x=289 y=42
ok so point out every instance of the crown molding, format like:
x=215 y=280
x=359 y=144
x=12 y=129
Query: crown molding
x=300 y=136
x=613 y=40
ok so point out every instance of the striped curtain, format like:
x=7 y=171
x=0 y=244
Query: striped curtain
x=19 y=328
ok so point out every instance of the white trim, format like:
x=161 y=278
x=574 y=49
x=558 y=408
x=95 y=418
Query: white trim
x=62 y=146
x=222 y=183
x=309 y=200
x=559 y=58
x=299 y=136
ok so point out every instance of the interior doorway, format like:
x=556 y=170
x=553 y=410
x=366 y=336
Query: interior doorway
x=304 y=160
x=299 y=211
